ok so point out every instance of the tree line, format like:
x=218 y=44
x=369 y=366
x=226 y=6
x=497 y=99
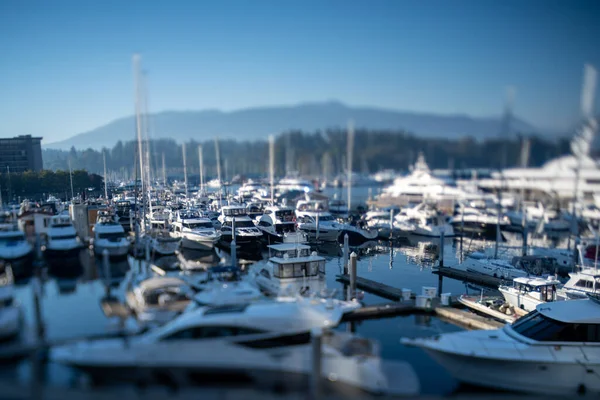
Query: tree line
x=311 y=153
x=17 y=186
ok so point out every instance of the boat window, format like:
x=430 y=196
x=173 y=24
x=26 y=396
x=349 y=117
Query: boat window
x=287 y=270
x=198 y=225
x=265 y=273
x=541 y=328
x=299 y=270
x=277 y=270
x=207 y=332
x=285 y=215
x=63 y=237
x=264 y=223
x=113 y=237
x=326 y=218
x=11 y=240
x=244 y=224
x=314 y=268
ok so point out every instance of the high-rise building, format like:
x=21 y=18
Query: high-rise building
x=20 y=154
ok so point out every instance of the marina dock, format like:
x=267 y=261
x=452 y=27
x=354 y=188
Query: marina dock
x=403 y=306
x=466 y=276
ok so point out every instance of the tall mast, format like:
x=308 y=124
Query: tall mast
x=138 y=115
x=164 y=171
x=349 y=151
x=218 y=160
x=184 y=170
x=105 y=183
x=71 y=179
x=272 y=167
x=201 y=162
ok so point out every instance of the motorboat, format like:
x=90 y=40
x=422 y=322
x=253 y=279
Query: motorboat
x=249 y=189
x=424 y=220
x=158 y=299
x=564 y=258
x=195 y=231
x=527 y=293
x=124 y=211
x=158 y=217
x=581 y=283
x=553 y=351
x=480 y=263
x=263 y=340
x=161 y=242
x=278 y=225
x=14 y=247
x=386 y=225
x=319 y=226
x=357 y=235
x=288 y=184
x=291 y=268
x=479 y=223
x=61 y=238
x=222 y=285
x=246 y=233
x=109 y=235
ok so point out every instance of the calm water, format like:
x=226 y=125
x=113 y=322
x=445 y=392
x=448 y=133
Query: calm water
x=71 y=307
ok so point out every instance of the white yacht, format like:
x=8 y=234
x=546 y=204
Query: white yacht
x=424 y=220
x=223 y=285
x=259 y=340
x=319 y=225
x=110 y=235
x=61 y=238
x=421 y=185
x=158 y=299
x=527 y=293
x=195 y=231
x=294 y=183
x=498 y=268
x=278 y=224
x=161 y=241
x=246 y=233
x=249 y=189
x=14 y=247
x=386 y=225
x=581 y=283
x=553 y=350
x=291 y=268
x=479 y=223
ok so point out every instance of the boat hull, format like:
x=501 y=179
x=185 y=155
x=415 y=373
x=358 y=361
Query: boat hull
x=190 y=244
x=540 y=377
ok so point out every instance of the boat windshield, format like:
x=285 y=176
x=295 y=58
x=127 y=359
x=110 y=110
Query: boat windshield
x=242 y=224
x=63 y=237
x=11 y=240
x=113 y=236
x=326 y=218
x=198 y=225
x=541 y=328
x=285 y=215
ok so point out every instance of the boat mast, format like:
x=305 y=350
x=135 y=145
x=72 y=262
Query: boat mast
x=164 y=171
x=272 y=167
x=185 y=171
x=105 y=183
x=71 y=179
x=201 y=162
x=349 y=151
x=138 y=117
x=218 y=154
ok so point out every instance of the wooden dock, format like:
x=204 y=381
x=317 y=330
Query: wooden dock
x=466 y=276
x=380 y=289
x=401 y=307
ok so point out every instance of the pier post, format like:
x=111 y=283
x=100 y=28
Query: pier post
x=392 y=224
x=525 y=233
x=345 y=253
x=39 y=259
x=316 y=335
x=442 y=237
x=353 y=265
x=106 y=267
x=317 y=223
x=233 y=244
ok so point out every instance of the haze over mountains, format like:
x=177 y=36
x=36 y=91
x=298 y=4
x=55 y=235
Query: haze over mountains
x=259 y=122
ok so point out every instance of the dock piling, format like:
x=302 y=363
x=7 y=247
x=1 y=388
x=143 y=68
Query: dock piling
x=391 y=224
x=525 y=233
x=315 y=381
x=345 y=253
x=353 y=268
x=442 y=249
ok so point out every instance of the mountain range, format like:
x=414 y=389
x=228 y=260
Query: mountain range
x=259 y=122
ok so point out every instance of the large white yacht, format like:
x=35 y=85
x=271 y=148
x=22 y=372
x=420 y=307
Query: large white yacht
x=61 y=238
x=421 y=185
x=554 y=350
x=256 y=340
x=246 y=233
x=278 y=224
x=195 y=231
x=291 y=268
x=581 y=283
x=109 y=235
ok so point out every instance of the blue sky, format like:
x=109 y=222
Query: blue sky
x=65 y=66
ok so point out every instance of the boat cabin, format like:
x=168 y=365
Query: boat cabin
x=291 y=260
x=538 y=288
x=234 y=211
